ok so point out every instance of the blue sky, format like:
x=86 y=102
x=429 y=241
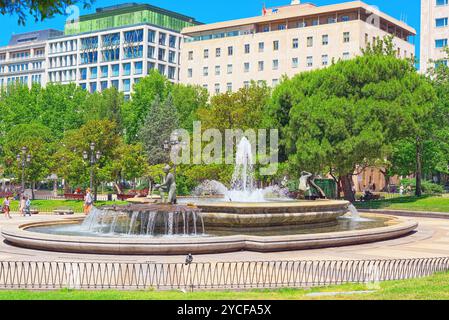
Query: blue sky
x=212 y=11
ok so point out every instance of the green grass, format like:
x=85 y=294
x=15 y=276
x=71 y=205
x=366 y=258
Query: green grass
x=432 y=288
x=426 y=203
x=50 y=205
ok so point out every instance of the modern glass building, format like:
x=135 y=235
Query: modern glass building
x=117 y=46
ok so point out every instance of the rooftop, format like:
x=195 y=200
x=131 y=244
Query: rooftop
x=297 y=11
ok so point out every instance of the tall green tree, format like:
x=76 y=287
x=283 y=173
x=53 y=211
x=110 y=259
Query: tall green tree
x=161 y=121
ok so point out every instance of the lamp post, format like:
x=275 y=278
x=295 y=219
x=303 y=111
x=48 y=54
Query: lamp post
x=173 y=143
x=24 y=159
x=93 y=157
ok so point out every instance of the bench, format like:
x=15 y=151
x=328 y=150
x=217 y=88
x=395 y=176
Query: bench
x=63 y=212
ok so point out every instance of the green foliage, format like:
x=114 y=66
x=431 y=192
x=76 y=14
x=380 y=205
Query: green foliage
x=428 y=187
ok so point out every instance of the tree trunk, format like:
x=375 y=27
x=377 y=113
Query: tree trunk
x=347 y=188
x=418 y=191
x=32 y=190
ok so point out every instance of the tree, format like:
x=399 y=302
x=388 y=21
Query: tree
x=243 y=109
x=39 y=143
x=349 y=114
x=160 y=123
x=136 y=111
x=38 y=9
x=188 y=99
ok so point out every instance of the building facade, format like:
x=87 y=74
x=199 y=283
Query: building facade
x=116 y=47
x=287 y=40
x=24 y=58
x=434 y=32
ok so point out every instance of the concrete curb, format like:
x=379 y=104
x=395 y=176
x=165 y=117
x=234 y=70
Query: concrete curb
x=405 y=213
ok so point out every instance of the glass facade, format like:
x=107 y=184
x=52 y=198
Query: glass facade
x=129 y=16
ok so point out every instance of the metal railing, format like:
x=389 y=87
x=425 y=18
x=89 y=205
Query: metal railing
x=202 y=276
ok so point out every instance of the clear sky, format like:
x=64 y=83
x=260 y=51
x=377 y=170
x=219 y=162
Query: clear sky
x=212 y=11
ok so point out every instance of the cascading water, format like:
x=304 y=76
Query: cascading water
x=243 y=188
x=156 y=221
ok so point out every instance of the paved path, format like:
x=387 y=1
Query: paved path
x=431 y=240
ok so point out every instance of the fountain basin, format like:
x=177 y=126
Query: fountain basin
x=21 y=235
x=271 y=214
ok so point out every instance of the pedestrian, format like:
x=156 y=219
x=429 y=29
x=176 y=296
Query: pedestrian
x=401 y=190
x=88 y=201
x=22 y=205
x=28 y=207
x=6 y=208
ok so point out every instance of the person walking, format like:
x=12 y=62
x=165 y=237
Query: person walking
x=88 y=201
x=6 y=208
x=22 y=205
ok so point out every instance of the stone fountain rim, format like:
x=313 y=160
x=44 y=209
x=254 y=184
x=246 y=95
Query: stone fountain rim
x=18 y=235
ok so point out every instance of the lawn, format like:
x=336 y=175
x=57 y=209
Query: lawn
x=426 y=203
x=432 y=288
x=50 y=205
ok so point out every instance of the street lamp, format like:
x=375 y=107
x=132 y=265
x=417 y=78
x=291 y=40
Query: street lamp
x=23 y=159
x=93 y=157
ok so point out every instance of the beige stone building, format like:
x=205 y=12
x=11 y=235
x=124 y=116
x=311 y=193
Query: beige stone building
x=434 y=32
x=286 y=40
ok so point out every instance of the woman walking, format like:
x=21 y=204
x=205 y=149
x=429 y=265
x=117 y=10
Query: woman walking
x=88 y=201
x=6 y=208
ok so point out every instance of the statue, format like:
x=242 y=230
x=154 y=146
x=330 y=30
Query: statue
x=306 y=182
x=168 y=186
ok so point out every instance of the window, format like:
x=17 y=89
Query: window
x=151 y=52
x=295 y=44
x=247 y=48
x=115 y=70
x=276 y=45
x=162 y=38
x=172 y=41
x=229 y=86
x=218 y=52
x=189 y=73
x=104 y=71
x=309 y=42
x=126 y=85
x=171 y=73
x=325 y=39
x=246 y=67
x=126 y=69
x=92 y=87
x=441 y=22
x=103 y=85
x=138 y=66
x=331 y=20
x=345 y=19
x=217 y=70
x=281 y=26
x=206 y=53
x=440 y=43
x=151 y=66
x=217 y=88
x=205 y=71
x=345 y=55
x=324 y=59
x=261 y=46
x=229 y=68
x=230 y=51
x=190 y=55
x=260 y=66
x=295 y=62
x=83 y=74
x=442 y=2
x=114 y=83
x=275 y=64
x=246 y=84
x=366 y=38
x=151 y=36
x=171 y=56
x=161 y=54
x=310 y=61
x=315 y=22
x=275 y=82
x=346 y=37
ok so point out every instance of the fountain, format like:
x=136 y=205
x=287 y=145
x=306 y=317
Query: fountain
x=242 y=218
